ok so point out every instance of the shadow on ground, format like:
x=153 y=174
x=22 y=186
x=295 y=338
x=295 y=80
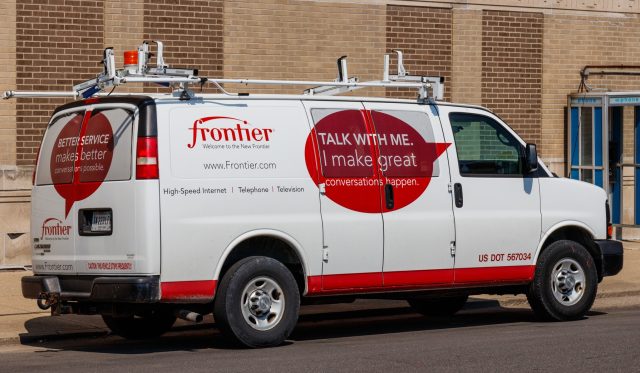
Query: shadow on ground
x=314 y=326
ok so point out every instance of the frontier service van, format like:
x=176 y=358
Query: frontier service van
x=150 y=207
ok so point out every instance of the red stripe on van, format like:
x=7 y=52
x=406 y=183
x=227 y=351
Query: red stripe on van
x=426 y=278
x=416 y=280
x=489 y=275
x=353 y=280
x=188 y=290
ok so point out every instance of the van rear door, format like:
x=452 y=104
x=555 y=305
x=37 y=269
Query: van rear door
x=51 y=228
x=85 y=180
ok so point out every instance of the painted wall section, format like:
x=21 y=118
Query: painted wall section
x=467 y=57
x=8 y=81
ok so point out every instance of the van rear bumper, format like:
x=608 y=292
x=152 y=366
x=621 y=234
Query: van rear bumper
x=612 y=256
x=139 y=289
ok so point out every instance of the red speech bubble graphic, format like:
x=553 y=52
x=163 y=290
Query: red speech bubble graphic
x=355 y=163
x=81 y=158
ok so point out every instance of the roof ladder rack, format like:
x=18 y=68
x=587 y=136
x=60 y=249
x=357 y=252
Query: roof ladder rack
x=180 y=78
x=351 y=84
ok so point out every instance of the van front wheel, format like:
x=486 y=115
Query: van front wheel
x=565 y=282
x=257 y=302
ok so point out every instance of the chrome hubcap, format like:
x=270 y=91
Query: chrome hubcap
x=568 y=282
x=262 y=303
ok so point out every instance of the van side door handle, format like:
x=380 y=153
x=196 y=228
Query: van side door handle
x=457 y=194
x=388 y=195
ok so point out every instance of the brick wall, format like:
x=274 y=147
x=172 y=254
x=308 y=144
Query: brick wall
x=123 y=30
x=191 y=31
x=467 y=57
x=570 y=43
x=512 y=69
x=425 y=37
x=57 y=44
x=286 y=39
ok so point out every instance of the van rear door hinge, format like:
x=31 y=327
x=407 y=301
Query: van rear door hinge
x=452 y=247
x=449 y=187
x=325 y=254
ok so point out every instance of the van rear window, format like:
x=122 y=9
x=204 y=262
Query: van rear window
x=87 y=147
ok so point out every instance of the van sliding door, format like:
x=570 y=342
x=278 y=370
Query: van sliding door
x=350 y=195
x=417 y=206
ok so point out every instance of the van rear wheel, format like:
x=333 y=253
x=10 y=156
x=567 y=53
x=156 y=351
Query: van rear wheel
x=565 y=282
x=257 y=303
x=148 y=324
x=438 y=307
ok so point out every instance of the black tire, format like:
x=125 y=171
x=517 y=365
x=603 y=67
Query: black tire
x=438 y=307
x=231 y=302
x=148 y=324
x=544 y=289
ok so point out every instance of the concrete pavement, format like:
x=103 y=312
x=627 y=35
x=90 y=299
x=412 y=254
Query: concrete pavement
x=22 y=321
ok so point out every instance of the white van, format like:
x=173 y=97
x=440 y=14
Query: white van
x=148 y=208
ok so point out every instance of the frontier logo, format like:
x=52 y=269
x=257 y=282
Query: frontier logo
x=54 y=229
x=230 y=130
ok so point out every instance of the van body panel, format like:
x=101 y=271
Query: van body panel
x=565 y=200
x=228 y=168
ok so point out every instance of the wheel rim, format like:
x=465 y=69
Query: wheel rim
x=568 y=281
x=262 y=303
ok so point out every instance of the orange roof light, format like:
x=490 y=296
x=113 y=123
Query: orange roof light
x=130 y=57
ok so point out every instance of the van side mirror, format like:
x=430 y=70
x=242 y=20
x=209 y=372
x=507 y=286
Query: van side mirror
x=530 y=158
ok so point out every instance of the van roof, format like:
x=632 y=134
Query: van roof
x=146 y=99
x=307 y=98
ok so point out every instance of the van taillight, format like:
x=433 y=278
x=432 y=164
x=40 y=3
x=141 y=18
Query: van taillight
x=147 y=158
x=608 y=217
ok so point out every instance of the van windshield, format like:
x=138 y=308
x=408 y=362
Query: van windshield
x=87 y=146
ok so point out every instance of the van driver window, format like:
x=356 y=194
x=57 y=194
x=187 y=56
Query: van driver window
x=484 y=147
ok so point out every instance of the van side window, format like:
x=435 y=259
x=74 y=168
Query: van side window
x=485 y=147
x=106 y=148
x=58 y=150
x=343 y=142
x=406 y=142
x=95 y=151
